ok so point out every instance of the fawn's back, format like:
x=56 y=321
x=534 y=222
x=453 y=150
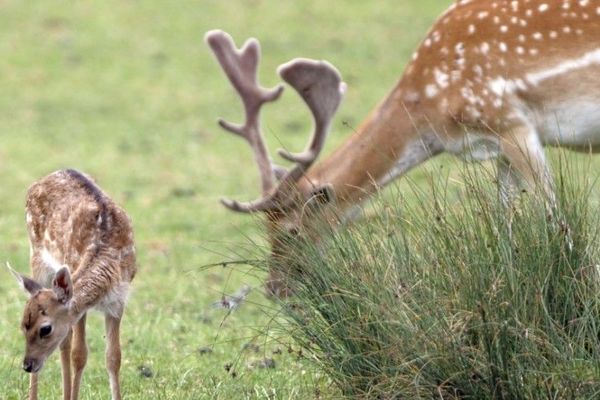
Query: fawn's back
x=72 y=222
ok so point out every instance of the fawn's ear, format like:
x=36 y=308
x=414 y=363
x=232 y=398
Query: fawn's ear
x=62 y=285
x=28 y=284
x=31 y=286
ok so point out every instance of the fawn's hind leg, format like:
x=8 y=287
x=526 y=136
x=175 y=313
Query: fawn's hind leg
x=113 y=354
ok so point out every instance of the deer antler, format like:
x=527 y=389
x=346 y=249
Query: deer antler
x=317 y=82
x=240 y=66
x=321 y=87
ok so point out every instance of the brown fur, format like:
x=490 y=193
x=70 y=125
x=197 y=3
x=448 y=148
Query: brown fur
x=407 y=112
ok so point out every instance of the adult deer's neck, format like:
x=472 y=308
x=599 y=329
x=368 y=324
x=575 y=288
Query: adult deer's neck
x=394 y=138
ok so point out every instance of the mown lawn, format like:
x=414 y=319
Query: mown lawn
x=128 y=92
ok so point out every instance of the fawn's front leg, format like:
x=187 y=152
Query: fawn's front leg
x=33 y=386
x=79 y=354
x=113 y=354
x=65 y=361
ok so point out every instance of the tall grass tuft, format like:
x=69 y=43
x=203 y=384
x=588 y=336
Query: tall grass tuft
x=454 y=296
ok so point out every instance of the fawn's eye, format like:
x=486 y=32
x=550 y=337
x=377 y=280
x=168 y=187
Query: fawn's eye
x=45 y=330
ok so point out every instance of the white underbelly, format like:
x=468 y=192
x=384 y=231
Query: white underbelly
x=114 y=301
x=575 y=125
x=474 y=147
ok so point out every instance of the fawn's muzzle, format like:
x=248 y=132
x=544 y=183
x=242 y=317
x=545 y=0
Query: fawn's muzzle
x=30 y=365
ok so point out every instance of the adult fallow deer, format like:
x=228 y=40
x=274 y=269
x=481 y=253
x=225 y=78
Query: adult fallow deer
x=82 y=257
x=492 y=79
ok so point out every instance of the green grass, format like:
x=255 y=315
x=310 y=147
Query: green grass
x=448 y=299
x=128 y=92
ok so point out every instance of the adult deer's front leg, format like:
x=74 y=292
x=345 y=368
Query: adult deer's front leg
x=522 y=166
x=79 y=353
x=113 y=354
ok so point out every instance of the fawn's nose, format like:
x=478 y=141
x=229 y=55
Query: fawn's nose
x=28 y=364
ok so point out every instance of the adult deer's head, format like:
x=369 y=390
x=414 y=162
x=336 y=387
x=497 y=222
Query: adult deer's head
x=286 y=196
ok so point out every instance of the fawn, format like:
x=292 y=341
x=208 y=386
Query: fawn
x=82 y=256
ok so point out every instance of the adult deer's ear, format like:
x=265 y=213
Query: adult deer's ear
x=28 y=284
x=322 y=195
x=62 y=285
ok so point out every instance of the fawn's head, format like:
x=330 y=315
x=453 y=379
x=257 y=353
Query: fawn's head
x=47 y=318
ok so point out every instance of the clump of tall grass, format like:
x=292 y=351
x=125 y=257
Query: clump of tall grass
x=453 y=295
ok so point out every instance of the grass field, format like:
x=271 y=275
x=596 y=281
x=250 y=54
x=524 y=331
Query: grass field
x=128 y=92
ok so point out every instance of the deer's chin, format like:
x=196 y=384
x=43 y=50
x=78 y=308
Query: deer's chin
x=38 y=367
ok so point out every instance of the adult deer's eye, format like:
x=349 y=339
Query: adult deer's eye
x=294 y=232
x=45 y=330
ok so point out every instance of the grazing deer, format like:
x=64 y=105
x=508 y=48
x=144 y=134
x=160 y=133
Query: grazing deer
x=492 y=79
x=82 y=257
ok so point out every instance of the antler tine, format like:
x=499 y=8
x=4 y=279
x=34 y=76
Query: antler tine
x=241 y=66
x=320 y=86
x=262 y=204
